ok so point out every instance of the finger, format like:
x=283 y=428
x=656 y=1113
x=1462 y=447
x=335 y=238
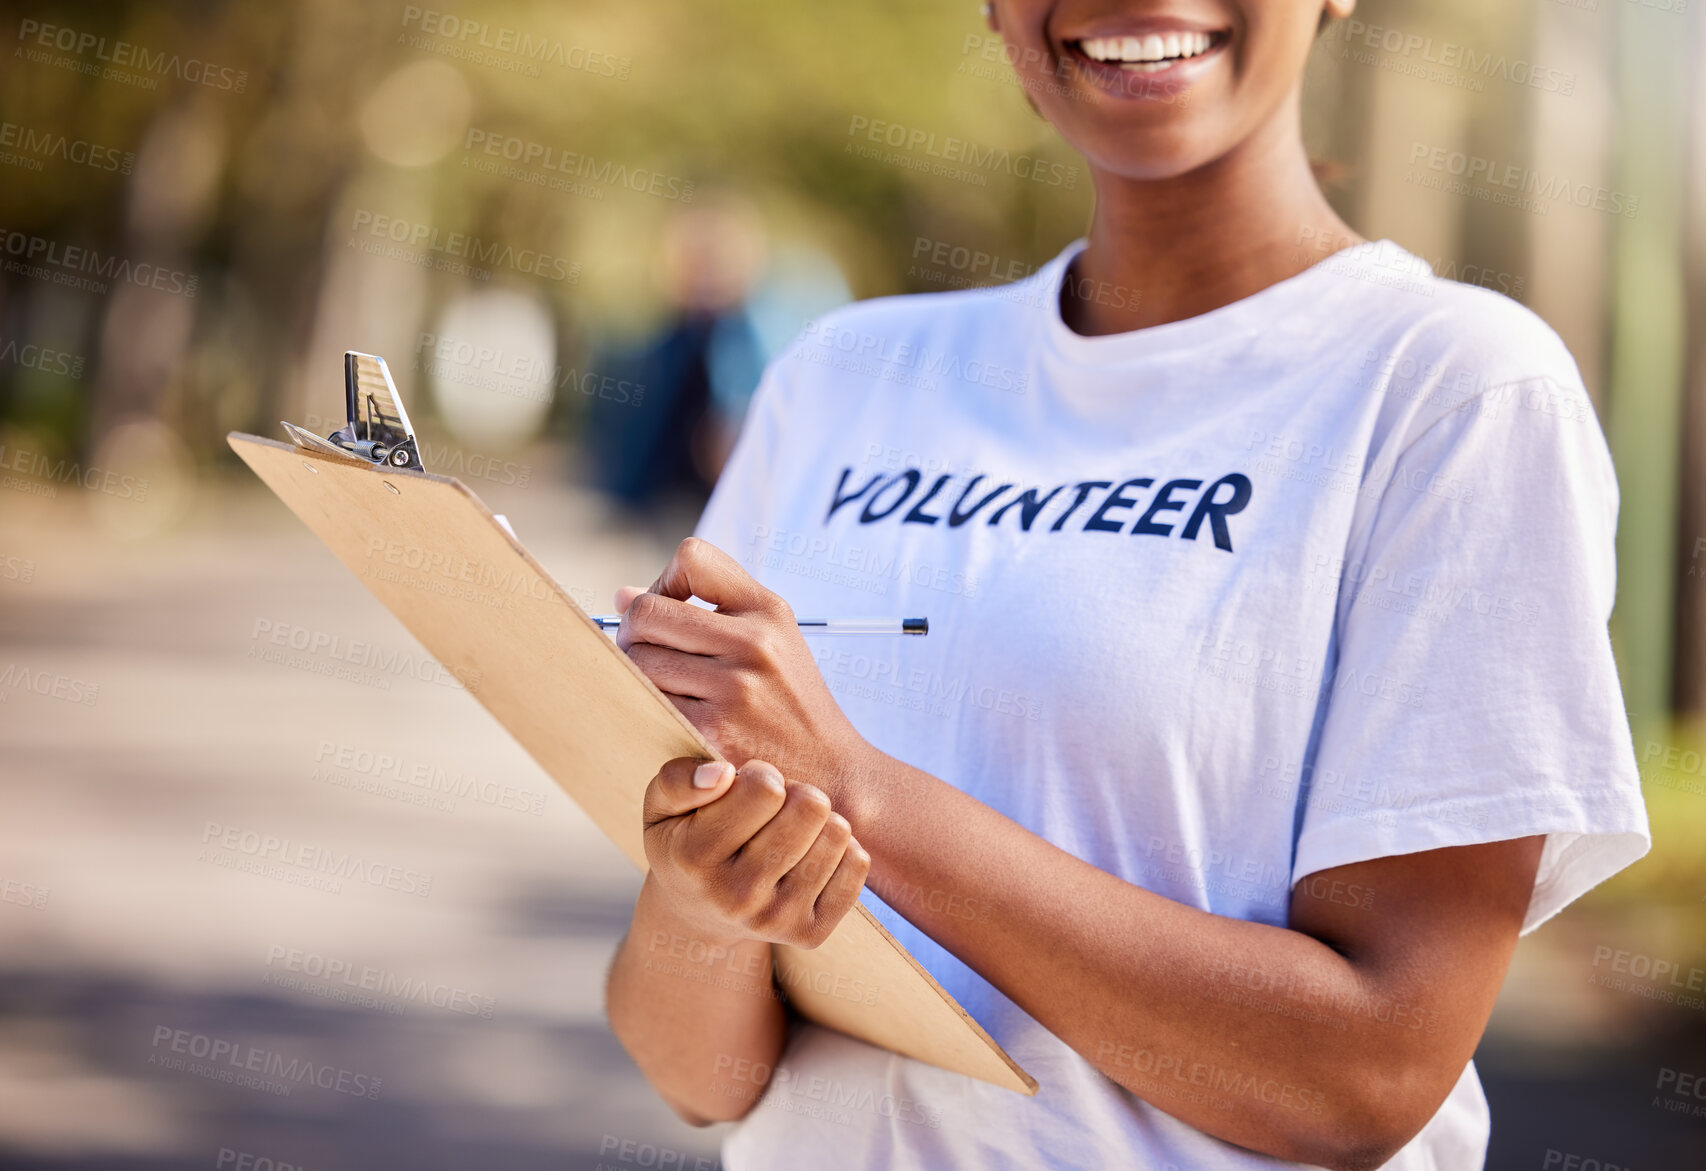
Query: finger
x=699 y=713
x=786 y=838
x=706 y=718
x=625 y=595
x=680 y=787
x=808 y=876
x=721 y=828
x=665 y=621
x=840 y=893
x=700 y=569
x=674 y=673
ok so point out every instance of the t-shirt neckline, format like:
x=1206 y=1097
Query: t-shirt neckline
x=1215 y=326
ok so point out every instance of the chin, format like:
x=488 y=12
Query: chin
x=1143 y=153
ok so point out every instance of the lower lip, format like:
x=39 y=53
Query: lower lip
x=1148 y=84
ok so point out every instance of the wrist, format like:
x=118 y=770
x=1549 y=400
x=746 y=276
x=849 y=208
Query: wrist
x=858 y=783
x=666 y=915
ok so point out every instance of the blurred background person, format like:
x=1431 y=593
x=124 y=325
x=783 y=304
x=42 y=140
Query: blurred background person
x=699 y=367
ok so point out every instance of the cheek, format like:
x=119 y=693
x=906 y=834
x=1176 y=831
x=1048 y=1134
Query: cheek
x=1275 y=47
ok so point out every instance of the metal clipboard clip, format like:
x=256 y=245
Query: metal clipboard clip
x=378 y=430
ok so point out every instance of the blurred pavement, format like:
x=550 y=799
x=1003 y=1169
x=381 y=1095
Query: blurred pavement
x=482 y=1025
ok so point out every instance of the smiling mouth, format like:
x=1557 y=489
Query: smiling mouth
x=1150 y=53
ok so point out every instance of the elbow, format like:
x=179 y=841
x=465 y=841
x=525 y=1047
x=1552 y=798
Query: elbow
x=701 y=1107
x=1366 y=1148
x=1370 y=1154
x=719 y=1102
x=1375 y=1120
x=703 y=1114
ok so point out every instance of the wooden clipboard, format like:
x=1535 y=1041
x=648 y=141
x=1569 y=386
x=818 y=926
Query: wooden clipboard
x=438 y=559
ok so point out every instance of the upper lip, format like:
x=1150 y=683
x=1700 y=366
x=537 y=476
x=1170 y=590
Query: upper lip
x=1142 y=27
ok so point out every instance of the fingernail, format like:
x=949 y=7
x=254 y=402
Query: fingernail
x=709 y=774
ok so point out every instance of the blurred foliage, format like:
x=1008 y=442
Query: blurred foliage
x=756 y=97
x=251 y=191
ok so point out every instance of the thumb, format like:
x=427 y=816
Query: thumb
x=683 y=785
x=625 y=597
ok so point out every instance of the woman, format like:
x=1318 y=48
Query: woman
x=1267 y=700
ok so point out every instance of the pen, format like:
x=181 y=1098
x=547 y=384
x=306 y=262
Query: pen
x=824 y=625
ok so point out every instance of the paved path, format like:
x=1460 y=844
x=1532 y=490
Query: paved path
x=133 y=807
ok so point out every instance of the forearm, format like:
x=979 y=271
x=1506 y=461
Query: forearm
x=692 y=1007
x=1157 y=995
x=1356 y=1028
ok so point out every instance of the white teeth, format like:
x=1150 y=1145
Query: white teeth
x=1146 y=50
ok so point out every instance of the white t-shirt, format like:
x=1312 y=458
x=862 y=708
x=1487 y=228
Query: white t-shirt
x=1317 y=577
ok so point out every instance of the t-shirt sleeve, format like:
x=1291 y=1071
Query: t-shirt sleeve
x=742 y=502
x=1473 y=696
